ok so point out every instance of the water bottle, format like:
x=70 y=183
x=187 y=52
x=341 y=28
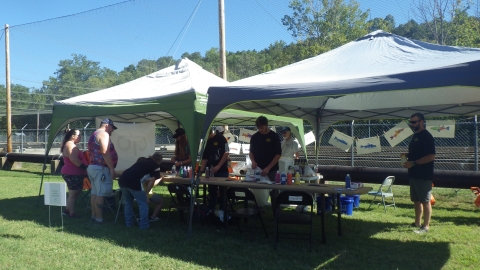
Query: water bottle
x=207 y=173
x=211 y=172
x=174 y=170
x=257 y=174
x=348 y=181
x=289 y=178
x=283 y=178
x=185 y=172
x=277 y=178
x=180 y=173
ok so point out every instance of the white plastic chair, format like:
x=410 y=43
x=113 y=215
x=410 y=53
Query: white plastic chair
x=384 y=191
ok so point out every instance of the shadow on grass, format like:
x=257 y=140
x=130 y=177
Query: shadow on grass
x=358 y=248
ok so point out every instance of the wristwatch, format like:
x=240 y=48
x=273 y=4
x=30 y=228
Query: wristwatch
x=414 y=163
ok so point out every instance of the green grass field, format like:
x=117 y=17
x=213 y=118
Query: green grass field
x=372 y=239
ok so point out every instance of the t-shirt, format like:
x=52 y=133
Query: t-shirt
x=289 y=148
x=264 y=148
x=422 y=144
x=131 y=177
x=72 y=169
x=216 y=147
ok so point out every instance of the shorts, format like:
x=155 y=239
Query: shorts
x=155 y=198
x=74 y=182
x=420 y=190
x=100 y=187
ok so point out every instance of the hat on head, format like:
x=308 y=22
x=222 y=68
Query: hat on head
x=179 y=132
x=157 y=156
x=220 y=129
x=109 y=122
x=285 y=129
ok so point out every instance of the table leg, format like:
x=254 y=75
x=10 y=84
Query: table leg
x=225 y=206
x=322 y=217
x=339 y=215
x=204 y=194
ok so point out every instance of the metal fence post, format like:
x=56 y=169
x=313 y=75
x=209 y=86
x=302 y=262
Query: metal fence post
x=85 y=136
x=22 y=135
x=352 y=155
x=477 y=141
x=46 y=135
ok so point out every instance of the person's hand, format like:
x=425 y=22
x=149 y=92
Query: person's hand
x=173 y=159
x=254 y=164
x=178 y=163
x=407 y=164
x=215 y=169
x=264 y=172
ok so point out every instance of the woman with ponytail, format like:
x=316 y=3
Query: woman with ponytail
x=74 y=169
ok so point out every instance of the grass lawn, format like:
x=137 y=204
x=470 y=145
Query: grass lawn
x=372 y=239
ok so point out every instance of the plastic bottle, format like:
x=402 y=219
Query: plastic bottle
x=180 y=173
x=174 y=170
x=211 y=172
x=297 y=179
x=348 y=181
x=277 y=178
x=289 y=178
x=257 y=174
x=207 y=173
x=189 y=171
x=283 y=178
x=185 y=172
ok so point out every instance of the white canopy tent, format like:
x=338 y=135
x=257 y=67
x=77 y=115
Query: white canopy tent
x=378 y=76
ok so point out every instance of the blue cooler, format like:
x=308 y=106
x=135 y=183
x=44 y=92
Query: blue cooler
x=346 y=203
x=356 y=200
x=328 y=204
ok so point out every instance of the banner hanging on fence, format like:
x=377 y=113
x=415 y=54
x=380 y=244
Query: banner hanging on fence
x=309 y=138
x=246 y=148
x=341 y=141
x=398 y=133
x=245 y=135
x=368 y=145
x=234 y=148
x=229 y=136
x=441 y=128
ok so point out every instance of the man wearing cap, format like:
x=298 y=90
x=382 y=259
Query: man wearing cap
x=265 y=151
x=289 y=149
x=182 y=150
x=215 y=157
x=101 y=171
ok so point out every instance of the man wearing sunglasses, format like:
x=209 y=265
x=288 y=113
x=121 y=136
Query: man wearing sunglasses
x=421 y=156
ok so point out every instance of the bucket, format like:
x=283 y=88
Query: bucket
x=356 y=200
x=346 y=203
x=328 y=204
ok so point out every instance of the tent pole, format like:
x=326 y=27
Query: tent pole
x=317 y=137
x=475 y=126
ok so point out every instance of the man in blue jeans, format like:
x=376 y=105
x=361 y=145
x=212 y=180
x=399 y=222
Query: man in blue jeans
x=215 y=157
x=130 y=184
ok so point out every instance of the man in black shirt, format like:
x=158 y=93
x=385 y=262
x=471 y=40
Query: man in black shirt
x=421 y=156
x=265 y=151
x=215 y=156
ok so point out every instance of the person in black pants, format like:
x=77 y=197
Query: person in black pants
x=215 y=156
x=421 y=156
x=265 y=151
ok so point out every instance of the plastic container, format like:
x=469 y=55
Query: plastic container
x=297 y=179
x=207 y=173
x=283 y=179
x=289 y=178
x=328 y=204
x=348 y=181
x=277 y=178
x=346 y=204
x=356 y=200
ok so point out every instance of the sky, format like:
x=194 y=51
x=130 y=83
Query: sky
x=119 y=33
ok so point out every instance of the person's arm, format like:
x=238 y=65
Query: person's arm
x=424 y=160
x=270 y=166
x=72 y=154
x=104 y=142
x=252 y=158
x=222 y=160
x=203 y=165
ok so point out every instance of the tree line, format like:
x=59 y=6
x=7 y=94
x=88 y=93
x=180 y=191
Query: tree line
x=317 y=25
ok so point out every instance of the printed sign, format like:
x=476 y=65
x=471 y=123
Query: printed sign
x=246 y=148
x=398 y=133
x=295 y=198
x=245 y=135
x=309 y=138
x=55 y=194
x=441 y=129
x=368 y=145
x=234 y=148
x=341 y=141
x=239 y=194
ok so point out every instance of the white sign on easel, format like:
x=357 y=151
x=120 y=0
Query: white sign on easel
x=55 y=194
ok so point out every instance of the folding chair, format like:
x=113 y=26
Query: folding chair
x=384 y=191
x=180 y=199
x=286 y=216
x=241 y=196
x=87 y=186
x=121 y=203
x=108 y=203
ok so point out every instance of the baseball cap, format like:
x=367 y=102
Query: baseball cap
x=109 y=122
x=220 y=129
x=178 y=132
x=285 y=129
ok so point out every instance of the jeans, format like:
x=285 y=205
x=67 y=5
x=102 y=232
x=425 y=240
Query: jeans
x=128 y=196
x=213 y=193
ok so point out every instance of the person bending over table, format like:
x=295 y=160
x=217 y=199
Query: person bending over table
x=215 y=156
x=265 y=151
x=130 y=184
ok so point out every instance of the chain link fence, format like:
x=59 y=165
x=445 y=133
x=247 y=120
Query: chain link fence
x=459 y=153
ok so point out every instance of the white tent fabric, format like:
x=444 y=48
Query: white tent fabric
x=379 y=76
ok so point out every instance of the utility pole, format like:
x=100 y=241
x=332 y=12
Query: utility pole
x=8 y=99
x=221 y=22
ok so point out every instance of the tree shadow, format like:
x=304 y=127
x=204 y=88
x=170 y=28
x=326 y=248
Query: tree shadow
x=213 y=248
